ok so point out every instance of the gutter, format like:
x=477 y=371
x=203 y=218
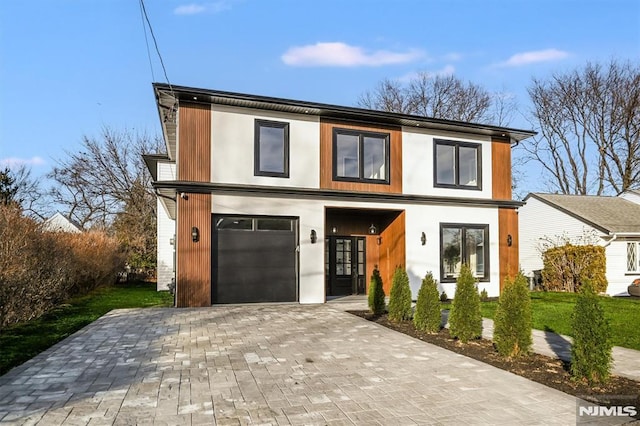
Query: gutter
x=614 y=237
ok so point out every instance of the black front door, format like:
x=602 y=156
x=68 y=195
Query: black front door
x=345 y=266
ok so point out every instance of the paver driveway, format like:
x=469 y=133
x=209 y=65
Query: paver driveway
x=264 y=364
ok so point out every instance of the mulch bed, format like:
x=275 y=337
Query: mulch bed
x=548 y=371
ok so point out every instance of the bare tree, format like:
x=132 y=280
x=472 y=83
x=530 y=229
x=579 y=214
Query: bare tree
x=18 y=186
x=439 y=96
x=107 y=185
x=589 y=128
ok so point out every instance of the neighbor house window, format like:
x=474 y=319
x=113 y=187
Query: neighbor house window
x=360 y=156
x=271 y=148
x=633 y=257
x=457 y=165
x=467 y=244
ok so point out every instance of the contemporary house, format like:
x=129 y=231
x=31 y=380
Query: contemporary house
x=613 y=222
x=278 y=200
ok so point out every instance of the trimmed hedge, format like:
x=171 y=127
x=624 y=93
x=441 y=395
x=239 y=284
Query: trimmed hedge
x=566 y=267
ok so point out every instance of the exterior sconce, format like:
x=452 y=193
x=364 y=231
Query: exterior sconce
x=379 y=240
x=373 y=230
x=509 y=240
x=423 y=238
x=313 y=236
x=195 y=234
x=334 y=230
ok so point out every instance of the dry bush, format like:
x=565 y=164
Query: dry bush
x=40 y=269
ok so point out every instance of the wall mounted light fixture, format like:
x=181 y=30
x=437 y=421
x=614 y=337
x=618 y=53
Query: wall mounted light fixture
x=509 y=240
x=334 y=230
x=195 y=234
x=373 y=230
x=423 y=238
x=379 y=240
x=313 y=236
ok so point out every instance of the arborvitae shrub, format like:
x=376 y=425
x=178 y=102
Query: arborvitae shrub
x=400 y=296
x=443 y=296
x=428 y=316
x=591 y=349
x=484 y=296
x=376 y=293
x=512 y=322
x=465 y=319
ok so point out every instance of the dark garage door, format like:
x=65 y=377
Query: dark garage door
x=254 y=259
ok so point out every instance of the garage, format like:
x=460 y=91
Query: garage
x=254 y=259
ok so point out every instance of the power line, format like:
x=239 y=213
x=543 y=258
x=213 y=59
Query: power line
x=146 y=41
x=155 y=42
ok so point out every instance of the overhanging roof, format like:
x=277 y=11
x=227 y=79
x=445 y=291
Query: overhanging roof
x=169 y=97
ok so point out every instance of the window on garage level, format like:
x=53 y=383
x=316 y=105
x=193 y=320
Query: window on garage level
x=360 y=156
x=467 y=244
x=457 y=165
x=271 y=148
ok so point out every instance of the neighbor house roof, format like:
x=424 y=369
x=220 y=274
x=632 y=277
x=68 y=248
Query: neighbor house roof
x=608 y=214
x=60 y=223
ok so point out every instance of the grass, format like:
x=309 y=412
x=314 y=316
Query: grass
x=23 y=341
x=552 y=312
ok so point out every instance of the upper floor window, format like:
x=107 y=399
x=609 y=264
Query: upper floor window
x=360 y=156
x=457 y=165
x=271 y=148
x=633 y=257
x=468 y=244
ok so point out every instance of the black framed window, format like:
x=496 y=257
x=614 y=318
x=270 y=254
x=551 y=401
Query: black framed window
x=271 y=148
x=457 y=164
x=464 y=243
x=360 y=156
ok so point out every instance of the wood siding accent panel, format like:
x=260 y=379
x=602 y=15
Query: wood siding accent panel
x=194 y=143
x=392 y=250
x=501 y=170
x=509 y=256
x=326 y=158
x=193 y=259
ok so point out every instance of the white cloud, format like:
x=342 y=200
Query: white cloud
x=197 y=8
x=17 y=162
x=525 y=58
x=338 y=54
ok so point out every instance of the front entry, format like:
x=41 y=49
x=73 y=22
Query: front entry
x=345 y=265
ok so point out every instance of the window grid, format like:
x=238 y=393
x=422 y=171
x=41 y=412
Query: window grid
x=454 y=165
x=633 y=261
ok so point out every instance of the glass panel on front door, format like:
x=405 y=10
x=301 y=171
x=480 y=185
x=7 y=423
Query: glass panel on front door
x=345 y=266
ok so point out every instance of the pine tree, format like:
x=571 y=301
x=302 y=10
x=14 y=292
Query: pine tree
x=428 y=315
x=376 y=293
x=400 y=296
x=465 y=320
x=512 y=322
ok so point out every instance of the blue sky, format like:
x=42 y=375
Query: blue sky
x=70 y=67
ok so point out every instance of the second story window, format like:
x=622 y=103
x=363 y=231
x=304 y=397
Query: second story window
x=271 y=148
x=360 y=156
x=457 y=165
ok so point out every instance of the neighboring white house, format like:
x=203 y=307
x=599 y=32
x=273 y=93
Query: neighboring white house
x=612 y=222
x=59 y=223
x=632 y=195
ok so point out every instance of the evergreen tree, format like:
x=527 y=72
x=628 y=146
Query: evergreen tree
x=513 y=323
x=400 y=296
x=465 y=320
x=376 y=293
x=428 y=316
x=591 y=349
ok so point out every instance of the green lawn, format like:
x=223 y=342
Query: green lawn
x=552 y=311
x=23 y=341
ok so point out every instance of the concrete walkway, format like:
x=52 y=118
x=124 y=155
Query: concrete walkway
x=264 y=364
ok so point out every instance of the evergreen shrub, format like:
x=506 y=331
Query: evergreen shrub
x=465 y=319
x=428 y=316
x=400 y=296
x=513 y=321
x=376 y=293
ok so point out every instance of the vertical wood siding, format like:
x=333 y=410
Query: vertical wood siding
x=326 y=159
x=392 y=251
x=508 y=225
x=193 y=259
x=501 y=169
